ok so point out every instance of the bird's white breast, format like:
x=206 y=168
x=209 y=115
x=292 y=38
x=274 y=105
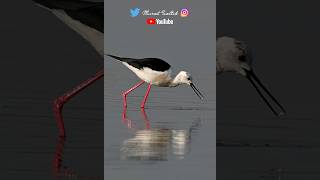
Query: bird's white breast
x=150 y=76
x=93 y=36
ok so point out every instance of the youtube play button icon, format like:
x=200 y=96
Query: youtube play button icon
x=151 y=21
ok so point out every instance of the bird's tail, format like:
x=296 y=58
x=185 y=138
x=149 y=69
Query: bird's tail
x=115 y=57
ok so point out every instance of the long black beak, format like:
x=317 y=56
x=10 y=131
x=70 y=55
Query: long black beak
x=251 y=77
x=198 y=93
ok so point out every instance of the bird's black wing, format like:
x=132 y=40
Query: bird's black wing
x=88 y=13
x=155 y=64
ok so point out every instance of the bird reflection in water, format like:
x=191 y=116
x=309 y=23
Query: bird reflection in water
x=60 y=170
x=156 y=144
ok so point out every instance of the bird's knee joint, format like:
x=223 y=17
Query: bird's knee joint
x=58 y=103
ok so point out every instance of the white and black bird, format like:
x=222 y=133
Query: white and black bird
x=154 y=71
x=233 y=56
x=87 y=19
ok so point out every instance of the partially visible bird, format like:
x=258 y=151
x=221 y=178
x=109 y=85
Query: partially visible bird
x=156 y=72
x=87 y=19
x=233 y=56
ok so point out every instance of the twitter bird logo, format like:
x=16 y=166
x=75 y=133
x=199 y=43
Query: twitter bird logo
x=134 y=12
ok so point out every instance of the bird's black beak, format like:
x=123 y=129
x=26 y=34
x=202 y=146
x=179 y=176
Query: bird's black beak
x=253 y=80
x=198 y=93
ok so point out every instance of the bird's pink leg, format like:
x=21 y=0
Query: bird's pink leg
x=124 y=95
x=126 y=120
x=146 y=96
x=145 y=118
x=60 y=101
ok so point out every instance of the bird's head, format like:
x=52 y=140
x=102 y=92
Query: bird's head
x=184 y=77
x=232 y=56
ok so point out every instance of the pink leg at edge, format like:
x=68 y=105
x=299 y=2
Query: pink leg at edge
x=60 y=101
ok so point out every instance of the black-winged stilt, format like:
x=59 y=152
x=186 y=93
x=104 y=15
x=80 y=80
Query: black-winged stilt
x=233 y=56
x=156 y=72
x=86 y=18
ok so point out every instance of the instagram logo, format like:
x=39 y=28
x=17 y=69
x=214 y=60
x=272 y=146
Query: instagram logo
x=184 y=12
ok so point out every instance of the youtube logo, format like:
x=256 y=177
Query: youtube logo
x=151 y=21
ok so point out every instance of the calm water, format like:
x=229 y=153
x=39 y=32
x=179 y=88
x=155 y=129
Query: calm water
x=31 y=147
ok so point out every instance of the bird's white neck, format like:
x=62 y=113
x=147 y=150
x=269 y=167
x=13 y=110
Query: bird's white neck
x=177 y=80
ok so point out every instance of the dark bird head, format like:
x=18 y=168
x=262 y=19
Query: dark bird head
x=233 y=56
